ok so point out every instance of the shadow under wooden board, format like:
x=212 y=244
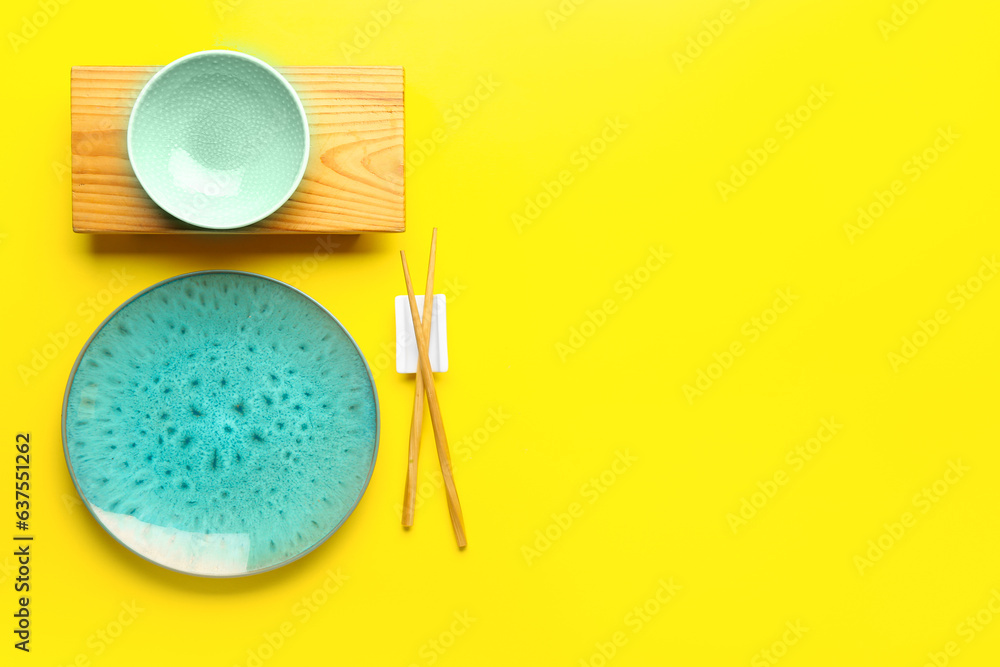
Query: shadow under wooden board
x=353 y=182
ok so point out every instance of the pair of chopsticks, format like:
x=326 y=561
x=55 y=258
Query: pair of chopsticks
x=425 y=383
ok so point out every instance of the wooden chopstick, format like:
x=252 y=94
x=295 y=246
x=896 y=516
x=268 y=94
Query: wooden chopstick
x=417 y=422
x=444 y=456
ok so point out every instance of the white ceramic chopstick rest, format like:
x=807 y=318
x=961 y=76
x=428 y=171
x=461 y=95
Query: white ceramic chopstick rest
x=406 y=343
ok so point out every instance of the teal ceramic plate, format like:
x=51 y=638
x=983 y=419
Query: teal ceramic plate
x=218 y=139
x=220 y=423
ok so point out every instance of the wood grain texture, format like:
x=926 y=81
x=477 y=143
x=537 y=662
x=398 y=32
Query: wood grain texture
x=353 y=182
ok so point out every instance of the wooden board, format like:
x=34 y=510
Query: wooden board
x=353 y=182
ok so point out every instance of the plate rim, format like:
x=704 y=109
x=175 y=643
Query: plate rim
x=134 y=297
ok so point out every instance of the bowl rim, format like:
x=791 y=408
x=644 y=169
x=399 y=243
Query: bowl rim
x=243 y=56
x=86 y=502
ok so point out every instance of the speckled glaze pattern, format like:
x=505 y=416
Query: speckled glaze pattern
x=218 y=139
x=221 y=423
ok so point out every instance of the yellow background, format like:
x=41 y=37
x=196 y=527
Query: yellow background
x=516 y=294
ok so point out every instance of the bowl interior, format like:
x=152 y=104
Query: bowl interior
x=218 y=139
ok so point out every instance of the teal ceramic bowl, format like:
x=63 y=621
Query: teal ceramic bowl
x=218 y=139
x=221 y=424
